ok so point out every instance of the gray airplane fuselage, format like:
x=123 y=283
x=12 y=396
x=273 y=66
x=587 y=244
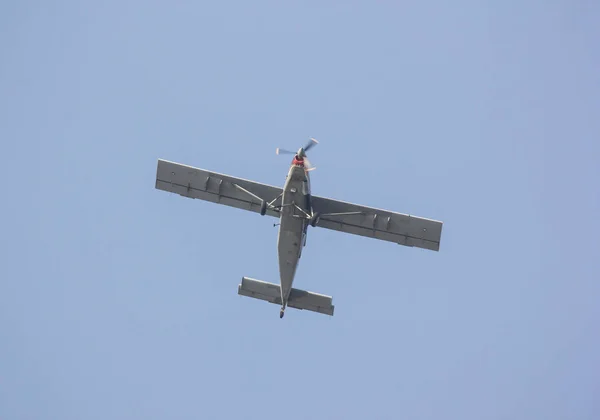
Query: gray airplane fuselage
x=293 y=226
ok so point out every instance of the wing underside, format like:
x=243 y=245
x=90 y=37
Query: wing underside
x=217 y=188
x=374 y=223
x=337 y=215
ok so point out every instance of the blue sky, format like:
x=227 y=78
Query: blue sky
x=120 y=301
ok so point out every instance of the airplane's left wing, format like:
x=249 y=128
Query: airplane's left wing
x=217 y=188
x=403 y=229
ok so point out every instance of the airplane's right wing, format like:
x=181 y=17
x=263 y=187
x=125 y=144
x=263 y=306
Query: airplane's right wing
x=374 y=223
x=217 y=188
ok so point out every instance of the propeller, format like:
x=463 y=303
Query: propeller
x=310 y=144
x=301 y=153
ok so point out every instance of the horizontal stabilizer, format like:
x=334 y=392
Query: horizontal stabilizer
x=299 y=299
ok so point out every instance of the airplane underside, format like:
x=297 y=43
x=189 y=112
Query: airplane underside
x=291 y=230
x=291 y=240
x=297 y=209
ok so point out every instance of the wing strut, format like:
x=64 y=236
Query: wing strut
x=263 y=204
x=270 y=204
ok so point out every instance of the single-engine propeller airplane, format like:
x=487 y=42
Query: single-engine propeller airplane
x=296 y=209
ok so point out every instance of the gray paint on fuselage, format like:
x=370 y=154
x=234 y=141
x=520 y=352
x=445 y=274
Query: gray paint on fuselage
x=292 y=230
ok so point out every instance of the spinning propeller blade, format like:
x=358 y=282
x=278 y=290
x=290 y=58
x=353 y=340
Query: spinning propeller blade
x=301 y=153
x=308 y=165
x=310 y=144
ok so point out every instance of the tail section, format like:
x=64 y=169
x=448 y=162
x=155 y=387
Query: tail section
x=299 y=299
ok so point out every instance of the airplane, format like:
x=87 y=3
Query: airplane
x=297 y=209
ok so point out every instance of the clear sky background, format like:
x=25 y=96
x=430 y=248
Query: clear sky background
x=119 y=301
